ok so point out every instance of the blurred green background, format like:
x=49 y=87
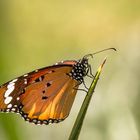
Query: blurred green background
x=34 y=34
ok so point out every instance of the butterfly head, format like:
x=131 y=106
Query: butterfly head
x=82 y=67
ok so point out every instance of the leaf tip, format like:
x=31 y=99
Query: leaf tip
x=103 y=62
x=101 y=66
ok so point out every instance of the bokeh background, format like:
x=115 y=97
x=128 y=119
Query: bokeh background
x=34 y=34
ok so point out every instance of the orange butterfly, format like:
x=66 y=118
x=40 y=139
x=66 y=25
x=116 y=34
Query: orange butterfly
x=46 y=95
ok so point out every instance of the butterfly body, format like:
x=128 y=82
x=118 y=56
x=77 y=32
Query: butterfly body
x=46 y=95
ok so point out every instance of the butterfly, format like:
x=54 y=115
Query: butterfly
x=46 y=95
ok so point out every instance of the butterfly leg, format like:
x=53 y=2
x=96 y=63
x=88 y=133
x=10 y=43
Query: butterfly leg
x=90 y=76
x=81 y=89
x=85 y=85
x=90 y=72
x=86 y=88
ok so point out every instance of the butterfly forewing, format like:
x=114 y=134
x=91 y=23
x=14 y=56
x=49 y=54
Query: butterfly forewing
x=42 y=96
x=47 y=99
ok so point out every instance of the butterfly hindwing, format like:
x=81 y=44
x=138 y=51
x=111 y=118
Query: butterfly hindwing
x=47 y=100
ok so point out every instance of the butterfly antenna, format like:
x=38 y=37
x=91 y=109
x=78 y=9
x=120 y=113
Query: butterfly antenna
x=91 y=55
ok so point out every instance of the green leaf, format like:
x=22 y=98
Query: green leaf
x=81 y=115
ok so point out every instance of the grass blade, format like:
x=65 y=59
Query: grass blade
x=81 y=115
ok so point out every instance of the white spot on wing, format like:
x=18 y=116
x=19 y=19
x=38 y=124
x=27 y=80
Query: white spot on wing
x=13 y=81
x=8 y=100
x=8 y=110
x=13 y=109
x=25 y=75
x=25 y=81
x=10 y=85
x=9 y=90
x=9 y=106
